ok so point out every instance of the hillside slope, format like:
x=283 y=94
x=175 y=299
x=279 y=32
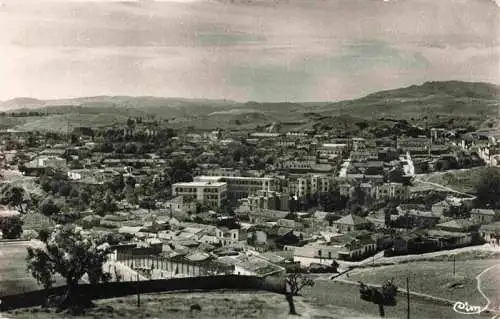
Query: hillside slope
x=476 y=102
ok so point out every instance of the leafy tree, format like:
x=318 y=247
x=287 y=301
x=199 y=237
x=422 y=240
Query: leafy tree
x=390 y=209
x=116 y=184
x=106 y=205
x=384 y=296
x=488 y=188
x=14 y=196
x=226 y=207
x=335 y=266
x=331 y=201
x=130 y=181
x=11 y=227
x=180 y=171
x=69 y=253
x=48 y=207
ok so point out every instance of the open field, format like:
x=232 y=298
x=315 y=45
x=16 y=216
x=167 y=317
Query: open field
x=214 y=305
x=327 y=300
x=339 y=298
x=434 y=278
x=13 y=275
x=463 y=180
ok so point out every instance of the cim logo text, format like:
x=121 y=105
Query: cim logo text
x=465 y=309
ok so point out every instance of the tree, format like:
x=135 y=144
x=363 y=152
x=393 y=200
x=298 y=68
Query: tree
x=116 y=184
x=390 y=209
x=48 y=207
x=69 y=253
x=488 y=188
x=335 y=266
x=226 y=207
x=14 y=196
x=294 y=283
x=180 y=171
x=383 y=296
x=331 y=201
x=11 y=227
x=106 y=204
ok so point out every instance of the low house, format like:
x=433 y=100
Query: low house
x=414 y=218
x=320 y=251
x=482 y=216
x=6 y=211
x=355 y=245
x=351 y=223
x=210 y=239
x=441 y=207
x=449 y=240
x=358 y=249
x=228 y=236
x=490 y=232
x=391 y=191
x=288 y=223
x=252 y=266
x=411 y=243
x=266 y=215
x=45 y=161
x=459 y=225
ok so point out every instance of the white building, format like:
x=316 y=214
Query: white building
x=337 y=149
x=239 y=187
x=391 y=191
x=48 y=161
x=310 y=184
x=209 y=193
x=227 y=236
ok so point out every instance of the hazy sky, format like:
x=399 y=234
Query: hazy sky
x=264 y=50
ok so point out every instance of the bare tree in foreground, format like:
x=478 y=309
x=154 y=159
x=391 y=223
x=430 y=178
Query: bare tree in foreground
x=294 y=283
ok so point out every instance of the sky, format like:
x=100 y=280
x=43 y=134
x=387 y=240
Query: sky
x=259 y=50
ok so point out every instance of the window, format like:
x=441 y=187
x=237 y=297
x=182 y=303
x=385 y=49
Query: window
x=319 y=253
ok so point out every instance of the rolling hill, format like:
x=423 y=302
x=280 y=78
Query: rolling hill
x=468 y=102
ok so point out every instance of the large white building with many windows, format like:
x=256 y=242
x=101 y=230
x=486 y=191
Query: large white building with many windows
x=310 y=184
x=239 y=187
x=210 y=193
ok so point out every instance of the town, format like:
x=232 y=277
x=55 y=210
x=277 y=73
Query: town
x=264 y=202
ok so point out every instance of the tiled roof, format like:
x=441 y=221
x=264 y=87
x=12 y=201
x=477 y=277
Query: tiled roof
x=489 y=212
x=352 y=220
x=458 y=224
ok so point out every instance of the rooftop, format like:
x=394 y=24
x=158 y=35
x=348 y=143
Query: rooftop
x=480 y=211
x=334 y=145
x=458 y=224
x=201 y=184
x=352 y=220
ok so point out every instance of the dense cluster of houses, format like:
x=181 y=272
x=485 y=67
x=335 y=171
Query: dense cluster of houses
x=271 y=229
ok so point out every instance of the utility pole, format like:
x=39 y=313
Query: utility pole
x=138 y=293
x=454 y=265
x=408 y=297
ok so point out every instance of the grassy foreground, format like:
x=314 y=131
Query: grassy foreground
x=436 y=278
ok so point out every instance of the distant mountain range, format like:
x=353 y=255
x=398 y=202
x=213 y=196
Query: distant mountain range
x=431 y=99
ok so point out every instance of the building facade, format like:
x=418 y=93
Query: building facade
x=239 y=187
x=210 y=193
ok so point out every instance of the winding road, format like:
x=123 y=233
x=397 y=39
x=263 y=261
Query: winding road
x=488 y=300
